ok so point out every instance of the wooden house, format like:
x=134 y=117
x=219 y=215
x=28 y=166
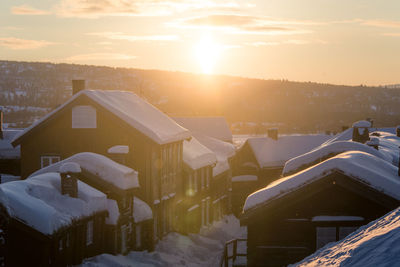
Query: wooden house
x=292 y=217
x=215 y=127
x=95 y=121
x=120 y=184
x=195 y=209
x=9 y=156
x=43 y=227
x=221 y=183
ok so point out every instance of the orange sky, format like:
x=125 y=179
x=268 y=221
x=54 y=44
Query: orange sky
x=333 y=41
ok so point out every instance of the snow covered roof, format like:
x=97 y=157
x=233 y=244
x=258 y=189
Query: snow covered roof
x=375 y=244
x=273 y=153
x=196 y=155
x=132 y=109
x=223 y=150
x=366 y=168
x=106 y=169
x=141 y=210
x=7 y=151
x=216 y=127
x=329 y=150
x=39 y=203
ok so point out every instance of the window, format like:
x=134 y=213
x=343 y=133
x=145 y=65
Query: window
x=89 y=233
x=84 y=117
x=48 y=160
x=123 y=238
x=325 y=235
x=60 y=244
x=67 y=241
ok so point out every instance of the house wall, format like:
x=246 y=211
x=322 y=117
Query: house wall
x=284 y=233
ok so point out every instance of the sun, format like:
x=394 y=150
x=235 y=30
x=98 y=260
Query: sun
x=207 y=53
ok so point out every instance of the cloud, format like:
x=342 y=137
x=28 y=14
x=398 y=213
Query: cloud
x=28 y=10
x=134 y=38
x=287 y=42
x=382 y=23
x=23 y=44
x=243 y=24
x=101 y=8
x=259 y=44
x=99 y=56
x=392 y=34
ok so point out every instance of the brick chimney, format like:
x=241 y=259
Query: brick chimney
x=69 y=173
x=360 y=131
x=77 y=86
x=273 y=133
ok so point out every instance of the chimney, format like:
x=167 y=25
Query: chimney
x=273 y=133
x=69 y=173
x=118 y=153
x=77 y=86
x=1 y=124
x=360 y=131
x=398 y=131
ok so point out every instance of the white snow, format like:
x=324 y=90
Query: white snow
x=196 y=155
x=223 y=150
x=175 y=250
x=113 y=212
x=7 y=151
x=141 y=211
x=133 y=110
x=366 y=168
x=324 y=218
x=110 y=171
x=118 y=149
x=362 y=124
x=274 y=153
x=330 y=150
x=39 y=203
x=5 y=178
x=215 y=127
x=375 y=244
x=373 y=141
x=244 y=178
x=70 y=167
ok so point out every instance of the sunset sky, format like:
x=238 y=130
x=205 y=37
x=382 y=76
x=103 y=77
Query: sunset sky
x=334 y=41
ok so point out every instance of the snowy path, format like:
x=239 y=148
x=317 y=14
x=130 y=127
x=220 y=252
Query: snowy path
x=204 y=249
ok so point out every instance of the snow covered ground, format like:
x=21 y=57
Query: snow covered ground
x=375 y=244
x=204 y=249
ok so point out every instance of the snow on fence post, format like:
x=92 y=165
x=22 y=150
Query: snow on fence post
x=69 y=178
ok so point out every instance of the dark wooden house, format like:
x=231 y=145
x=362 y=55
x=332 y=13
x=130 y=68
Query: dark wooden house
x=96 y=120
x=43 y=227
x=195 y=209
x=291 y=218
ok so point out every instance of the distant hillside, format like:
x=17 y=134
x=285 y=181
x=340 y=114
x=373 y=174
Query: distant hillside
x=29 y=90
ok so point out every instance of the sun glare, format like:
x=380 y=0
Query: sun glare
x=207 y=54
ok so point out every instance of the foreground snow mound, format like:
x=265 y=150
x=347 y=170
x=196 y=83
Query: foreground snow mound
x=376 y=244
x=195 y=250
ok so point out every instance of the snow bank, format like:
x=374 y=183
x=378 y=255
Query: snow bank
x=376 y=244
x=132 y=109
x=110 y=171
x=244 y=178
x=141 y=211
x=119 y=149
x=273 y=153
x=366 y=168
x=175 y=250
x=223 y=150
x=196 y=155
x=215 y=127
x=39 y=203
x=325 y=151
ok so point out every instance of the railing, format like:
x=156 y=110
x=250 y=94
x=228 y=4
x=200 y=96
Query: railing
x=231 y=253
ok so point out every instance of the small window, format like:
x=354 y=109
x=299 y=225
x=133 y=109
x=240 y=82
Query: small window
x=48 y=160
x=67 y=241
x=325 y=235
x=60 y=244
x=89 y=233
x=84 y=117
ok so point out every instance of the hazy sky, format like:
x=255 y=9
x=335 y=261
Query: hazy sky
x=335 y=41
